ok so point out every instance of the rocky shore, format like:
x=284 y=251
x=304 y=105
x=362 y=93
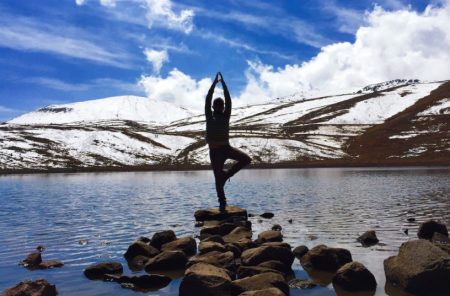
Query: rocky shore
x=228 y=259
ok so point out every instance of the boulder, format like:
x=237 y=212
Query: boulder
x=38 y=287
x=139 y=248
x=219 y=259
x=354 y=277
x=265 y=292
x=267 y=215
x=33 y=260
x=205 y=279
x=162 y=237
x=300 y=251
x=245 y=244
x=99 y=270
x=278 y=266
x=186 y=244
x=205 y=247
x=260 y=282
x=420 y=268
x=214 y=238
x=237 y=234
x=166 y=260
x=50 y=264
x=137 y=263
x=270 y=236
x=368 y=238
x=259 y=255
x=216 y=214
x=428 y=228
x=145 y=283
x=324 y=258
x=248 y=271
x=221 y=229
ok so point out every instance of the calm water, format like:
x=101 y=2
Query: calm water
x=111 y=210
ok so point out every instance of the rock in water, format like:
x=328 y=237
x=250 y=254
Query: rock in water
x=300 y=251
x=99 y=270
x=167 y=260
x=50 y=264
x=420 y=268
x=324 y=258
x=162 y=237
x=369 y=238
x=238 y=234
x=216 y=214
x=219 y=259
x=354 y=277
x=206 y=247
x=270 y=236
x=267 y=215
x=260 y=282
x=186 y=244
x=145 y=283
x=140 y=248
x=205 y=279
x=262 y=254
x=301 y=284
x=427 y=229
x=39 y=287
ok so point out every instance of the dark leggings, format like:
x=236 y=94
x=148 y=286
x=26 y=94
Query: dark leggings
x=218 y=157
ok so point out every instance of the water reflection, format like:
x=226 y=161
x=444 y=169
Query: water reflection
x=110 y=210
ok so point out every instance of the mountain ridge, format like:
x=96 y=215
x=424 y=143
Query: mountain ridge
x=301 y=131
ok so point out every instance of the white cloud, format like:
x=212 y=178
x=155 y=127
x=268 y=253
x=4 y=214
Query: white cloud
x=110 y=3
x=27 y=34
x=178 y=88
x=161 y=13
x=156 y=58
x=80 y=2
x=392 y=44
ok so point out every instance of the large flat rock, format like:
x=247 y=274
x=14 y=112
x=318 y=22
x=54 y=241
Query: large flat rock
x=216 y=214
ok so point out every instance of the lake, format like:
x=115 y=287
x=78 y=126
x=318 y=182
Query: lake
x=331 y=206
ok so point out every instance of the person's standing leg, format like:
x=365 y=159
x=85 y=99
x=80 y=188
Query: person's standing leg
x=217 y=161
x=241 y=158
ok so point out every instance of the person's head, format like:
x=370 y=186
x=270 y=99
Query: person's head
x=218 y=105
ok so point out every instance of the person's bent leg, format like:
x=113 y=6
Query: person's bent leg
x=241 y=158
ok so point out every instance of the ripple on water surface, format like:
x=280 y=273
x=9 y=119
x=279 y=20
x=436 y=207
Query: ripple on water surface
x=88 y=218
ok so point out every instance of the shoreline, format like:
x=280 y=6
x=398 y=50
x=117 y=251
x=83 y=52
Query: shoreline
x=287 y=165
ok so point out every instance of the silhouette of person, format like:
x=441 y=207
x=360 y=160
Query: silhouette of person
x=217 y=137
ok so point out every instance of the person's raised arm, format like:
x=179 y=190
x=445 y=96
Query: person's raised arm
x=208 y=112
x=227 y=96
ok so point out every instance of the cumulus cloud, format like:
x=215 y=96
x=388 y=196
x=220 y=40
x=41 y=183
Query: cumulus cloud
x=156 y=58
x=178 y=88
x=160 y=12
x=80 y=2
x=391 y=44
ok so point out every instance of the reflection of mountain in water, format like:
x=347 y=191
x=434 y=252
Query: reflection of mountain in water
x=396 y=122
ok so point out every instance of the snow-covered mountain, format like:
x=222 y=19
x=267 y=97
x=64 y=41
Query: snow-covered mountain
x=115 y=108
x=395 y=122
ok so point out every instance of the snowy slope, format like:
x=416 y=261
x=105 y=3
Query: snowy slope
x=114 y=108
x=412 y=120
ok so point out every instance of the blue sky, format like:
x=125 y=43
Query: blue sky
x=59 y=51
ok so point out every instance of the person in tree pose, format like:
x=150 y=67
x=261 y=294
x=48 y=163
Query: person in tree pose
x=217 y=137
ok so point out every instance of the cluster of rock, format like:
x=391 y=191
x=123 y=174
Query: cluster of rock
x=227 y=261
x=422 y=266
